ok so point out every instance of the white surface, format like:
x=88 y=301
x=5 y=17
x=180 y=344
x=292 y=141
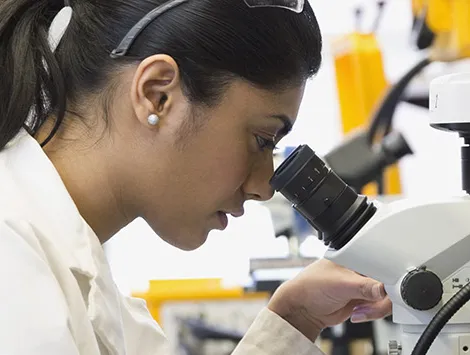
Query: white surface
x=449 y=99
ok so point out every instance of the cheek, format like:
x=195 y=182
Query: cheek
x=228 y=166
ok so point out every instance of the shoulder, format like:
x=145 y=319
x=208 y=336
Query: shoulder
x=19 y=240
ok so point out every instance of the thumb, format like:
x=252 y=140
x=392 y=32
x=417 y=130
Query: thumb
x=369 y=289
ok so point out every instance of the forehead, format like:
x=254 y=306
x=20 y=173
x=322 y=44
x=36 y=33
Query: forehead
x=252 y=101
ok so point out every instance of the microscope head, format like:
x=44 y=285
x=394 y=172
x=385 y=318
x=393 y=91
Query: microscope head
x=449 y=101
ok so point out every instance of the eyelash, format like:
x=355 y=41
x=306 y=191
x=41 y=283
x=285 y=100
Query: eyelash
x=264 y=143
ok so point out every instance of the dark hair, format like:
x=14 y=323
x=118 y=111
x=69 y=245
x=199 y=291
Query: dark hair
x=213 y=41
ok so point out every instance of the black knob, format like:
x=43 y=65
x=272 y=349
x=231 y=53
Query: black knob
x=421 y=289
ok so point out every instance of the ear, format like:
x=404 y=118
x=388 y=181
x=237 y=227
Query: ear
x=155 y=87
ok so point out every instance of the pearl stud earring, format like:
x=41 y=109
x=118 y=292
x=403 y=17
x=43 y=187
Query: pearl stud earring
x=153 y=120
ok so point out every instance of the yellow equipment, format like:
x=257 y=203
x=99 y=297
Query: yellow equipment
x=361 y=84
x=162 y=292
x=449 y=20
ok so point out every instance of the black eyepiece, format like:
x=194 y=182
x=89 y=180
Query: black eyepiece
x=321 y=197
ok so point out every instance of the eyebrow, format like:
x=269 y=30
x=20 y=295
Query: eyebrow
x=286 y=121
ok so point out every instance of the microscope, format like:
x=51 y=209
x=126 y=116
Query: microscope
x=419 y=249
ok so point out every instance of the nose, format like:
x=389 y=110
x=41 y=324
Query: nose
x=256 y=186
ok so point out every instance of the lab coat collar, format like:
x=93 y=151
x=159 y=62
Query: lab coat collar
x=49 y=207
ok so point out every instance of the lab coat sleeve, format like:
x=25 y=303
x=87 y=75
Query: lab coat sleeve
x=33 y=311
x=271 y=335
x=143 y=335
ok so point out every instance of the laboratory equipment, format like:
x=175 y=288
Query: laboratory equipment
x=418 y=248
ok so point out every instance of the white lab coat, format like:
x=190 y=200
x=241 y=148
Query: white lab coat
x=57 y=295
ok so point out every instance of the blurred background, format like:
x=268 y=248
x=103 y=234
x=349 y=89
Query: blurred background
x=206 y=299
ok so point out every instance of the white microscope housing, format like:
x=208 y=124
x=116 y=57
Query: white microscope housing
x=419 y=249
x=416 y=247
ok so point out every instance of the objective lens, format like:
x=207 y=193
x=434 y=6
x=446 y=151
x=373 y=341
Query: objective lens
x=321 y=197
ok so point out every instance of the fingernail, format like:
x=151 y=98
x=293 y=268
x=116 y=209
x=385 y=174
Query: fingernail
x=361 y=309
x=358 y=318
x=377 y=291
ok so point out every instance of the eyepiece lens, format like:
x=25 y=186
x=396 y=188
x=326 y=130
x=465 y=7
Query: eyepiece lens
x=321 y=197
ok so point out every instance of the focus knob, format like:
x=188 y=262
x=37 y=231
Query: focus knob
x=421 y=289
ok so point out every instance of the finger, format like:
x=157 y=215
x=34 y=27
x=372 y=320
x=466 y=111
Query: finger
x=348 y=310
x=354 y=286
x=364 y=288
x=380 y=308
x=356 y=304
x=371 y=311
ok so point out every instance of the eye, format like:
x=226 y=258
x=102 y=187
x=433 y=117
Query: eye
x=264 y=143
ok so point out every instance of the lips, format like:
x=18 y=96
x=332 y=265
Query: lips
x=223 y=216
x=222 y=219
x=235 y=213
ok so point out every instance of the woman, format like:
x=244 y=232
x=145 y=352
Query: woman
x=117 y=109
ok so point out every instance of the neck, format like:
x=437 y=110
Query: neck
x=90 y=181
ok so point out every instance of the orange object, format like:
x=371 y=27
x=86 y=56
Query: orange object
x=361 y=83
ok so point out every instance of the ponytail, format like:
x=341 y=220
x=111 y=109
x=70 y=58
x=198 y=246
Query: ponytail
x=32 y=85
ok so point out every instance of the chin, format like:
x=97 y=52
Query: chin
x=185 y=237
x=187 y=241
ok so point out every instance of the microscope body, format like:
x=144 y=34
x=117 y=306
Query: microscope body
x=420 y=250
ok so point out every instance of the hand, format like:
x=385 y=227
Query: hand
x=326 y=294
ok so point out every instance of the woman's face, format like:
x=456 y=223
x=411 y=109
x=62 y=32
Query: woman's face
x=201 y=164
